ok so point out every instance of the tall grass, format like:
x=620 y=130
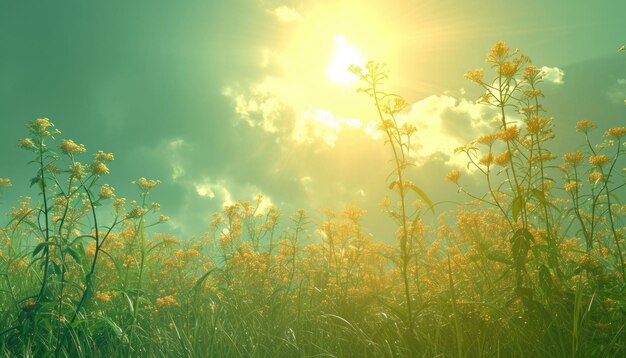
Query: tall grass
x=534 y=267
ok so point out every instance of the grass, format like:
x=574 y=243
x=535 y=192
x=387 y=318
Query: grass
x=535 y=268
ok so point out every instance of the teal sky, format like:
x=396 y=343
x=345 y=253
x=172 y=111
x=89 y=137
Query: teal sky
x=224 y=100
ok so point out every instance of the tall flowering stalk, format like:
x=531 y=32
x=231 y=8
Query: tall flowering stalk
x=388 y=106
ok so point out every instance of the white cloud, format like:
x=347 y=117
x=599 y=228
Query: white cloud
x=286 y=14
x=258 y=106
x=553 y=74
x=617 y=91
x=319 y=124
x=444 y=123
x=213 y=191
x=220 y=190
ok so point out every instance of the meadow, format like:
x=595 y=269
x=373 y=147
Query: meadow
x=533 y=268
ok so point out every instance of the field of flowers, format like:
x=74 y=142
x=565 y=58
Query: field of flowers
x=534 y=269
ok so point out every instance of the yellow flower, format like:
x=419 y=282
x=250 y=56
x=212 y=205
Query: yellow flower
x=617 y=132
x=4 y=182
x=573 y=158
x=101 y=156
x=135 y=212
x=536 y=124
x=70 y=148
x=487 y=159
x=595 y=177
x=146 y=185
x=508 y=69
x=503 y=158
x=26 y=143
x=166 y=301
x=598 y=160
x=77 y=170
x=118 y=203
x=498 y=52
x=106 y=191
x=476 y=75
x=488 y=139
x=454 y=176
x=509 y=134
x=530 y=73
x=103 y=296
x=571 y=185
x=99 y=168
x=39 y=127
x=585 y=126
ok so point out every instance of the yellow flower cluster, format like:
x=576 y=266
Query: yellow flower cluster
x=454 y=176
x=145 y=185
x=617 y=132
x=598 y=160
x=4 y=182
x=70 y=148
x=166 y=301
x=585 y=126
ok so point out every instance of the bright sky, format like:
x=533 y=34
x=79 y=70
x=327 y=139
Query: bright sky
x=225 y=100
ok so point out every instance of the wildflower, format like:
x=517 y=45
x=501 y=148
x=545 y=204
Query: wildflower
x=544 y=157
x=509 y=134
x=532 y=93
x=164 y=218
x=135 y=212
x=585 y=126
x=503 y=158
x=77 y=170
x=4 y=182
x=101 y=156
x=146 y=185
x=573 y=158
x=99 y=168
x=508 y=69
x=106 y=191
x=155 y=206
x=536 y=124
x=118 y=203
x=487 y=159
x=531 y=73
x=498 y=52
x=39 y=127
x=103 y=296
x=166 y=301
x=70 y=148
x=454 y=176
x=595 y=177
x=476 y=75
x=598 y=160
x=487 y=139
x=617 y=132
x=26 y=143
x=571 y=185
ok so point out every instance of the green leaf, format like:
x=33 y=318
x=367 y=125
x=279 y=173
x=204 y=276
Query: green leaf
x=516 y=207
x=35 y=180
x=41 y=246
x=520 y=244
x=201 y=280
x=539 y=195
x=545 y=280
x=424 y=197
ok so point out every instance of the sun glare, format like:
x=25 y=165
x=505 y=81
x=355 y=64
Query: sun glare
x=343 y=57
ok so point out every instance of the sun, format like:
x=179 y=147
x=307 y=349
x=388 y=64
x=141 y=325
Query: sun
x=343 y=57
